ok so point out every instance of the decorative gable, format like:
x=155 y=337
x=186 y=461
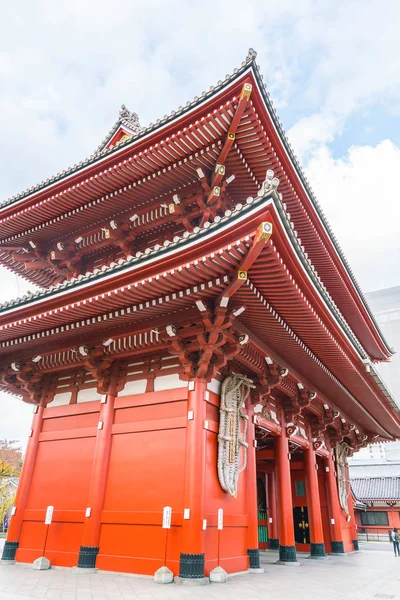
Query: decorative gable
x=127 y=125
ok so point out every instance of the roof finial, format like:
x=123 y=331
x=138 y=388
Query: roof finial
x=251 y=55
x=129 y=119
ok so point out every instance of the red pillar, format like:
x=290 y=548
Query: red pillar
x=314 y=504
x=334 y=506
x=21 y=499
x=287 y=548
x=252 y=502
x=91 y=533
x=192 y=540
x=273 y=540
x=352 y=516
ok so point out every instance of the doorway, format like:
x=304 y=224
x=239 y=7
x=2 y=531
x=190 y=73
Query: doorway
x=301 y=525
x=262 y=512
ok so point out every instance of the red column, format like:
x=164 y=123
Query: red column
x=252 y=502
x=287 y=548
x=314 y=504
x=334 y=506
x=92 y=526
x=21 y=499
x=352 y=515
x=192 y=539
x=273 y=540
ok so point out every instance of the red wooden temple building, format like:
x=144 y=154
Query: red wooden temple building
x=198 y=341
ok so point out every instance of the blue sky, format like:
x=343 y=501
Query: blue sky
x=333 y=70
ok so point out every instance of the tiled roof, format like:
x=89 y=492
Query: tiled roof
x=366 y=471
x=376 y=488
x=127 y=119
x=266 y=191
x=249 y=61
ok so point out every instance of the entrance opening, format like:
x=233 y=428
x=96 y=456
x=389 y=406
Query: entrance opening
x=301 y=525
x=262 y=513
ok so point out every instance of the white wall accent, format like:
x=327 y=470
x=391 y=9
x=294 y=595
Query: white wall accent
x=168 y=382
x=134 y=387
x=90 y=395
x=60 y=400
x=214 y=386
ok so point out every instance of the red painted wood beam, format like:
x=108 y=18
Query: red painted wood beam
x=95 y=338
x=268 y=425
x=261 y=237
x=266 y=454
x=241 y=107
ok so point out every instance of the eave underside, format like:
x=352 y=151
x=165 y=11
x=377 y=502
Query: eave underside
x=248 y=159
x=276 y=317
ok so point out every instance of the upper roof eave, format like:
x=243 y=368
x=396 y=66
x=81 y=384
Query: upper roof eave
x=248 y=64
x=98 y=156
x=260 y=203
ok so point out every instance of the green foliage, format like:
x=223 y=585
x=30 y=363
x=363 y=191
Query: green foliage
x=7 y=497
x=10 y=458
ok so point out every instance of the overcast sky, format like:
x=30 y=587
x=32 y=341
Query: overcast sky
x=333 y=69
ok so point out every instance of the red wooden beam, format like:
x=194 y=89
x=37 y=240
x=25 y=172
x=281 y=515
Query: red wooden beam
x=230 y=138
x=261 y=237
x=266 y=454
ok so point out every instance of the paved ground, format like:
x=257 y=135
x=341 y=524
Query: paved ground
x=373 y=574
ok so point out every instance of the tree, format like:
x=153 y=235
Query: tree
x=10 y=458
x=7 y=497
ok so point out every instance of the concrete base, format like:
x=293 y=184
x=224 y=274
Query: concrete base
x=311 y=557
x=288 y=564
x=218 y=575
x=163 y=575
x=341 y=554
x=5 y=563
x=41 y=564
x=258 y=570
x=185 y=581
x=84 y=570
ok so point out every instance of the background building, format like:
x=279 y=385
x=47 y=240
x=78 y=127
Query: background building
x=375 y=470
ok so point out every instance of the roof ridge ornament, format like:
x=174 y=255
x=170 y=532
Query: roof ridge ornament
x=251 y=55
x=129 y=119
x=269 y=184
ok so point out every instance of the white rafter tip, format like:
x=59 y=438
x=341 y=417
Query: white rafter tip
x=300 y=386
x=113 y=224
x=201 y=306
x=243 y=339
x=32 y=244
x=37 y=358
x=176 y=198
x=224 y=302
x=229 y=179
x=83 y=350
x=60 y=246
x=15 y=366
x=269 y=360
x=171 y=330
x=108 y=342
x=239 y=311
x=200 y=173
x=78 y=240
x=133 y=218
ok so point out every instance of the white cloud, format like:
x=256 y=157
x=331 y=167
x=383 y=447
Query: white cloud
x=15 y=419
x=358 y=193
